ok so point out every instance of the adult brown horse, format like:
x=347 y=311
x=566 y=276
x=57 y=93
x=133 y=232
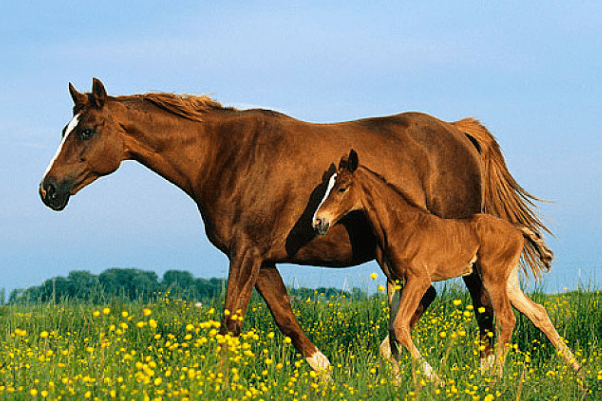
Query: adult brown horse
x=253 y=176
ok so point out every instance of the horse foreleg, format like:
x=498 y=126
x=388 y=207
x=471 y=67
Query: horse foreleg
x=271 y=287
x=400 y=328
x=484 y=314
x=393 y=295
x=538 y=315
x=243 y=274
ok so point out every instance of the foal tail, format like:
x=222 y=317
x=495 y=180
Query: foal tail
x=505 y=198
x=534 y=239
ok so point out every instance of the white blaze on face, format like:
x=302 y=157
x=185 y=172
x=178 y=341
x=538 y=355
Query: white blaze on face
x=328 y=189
x=72 y=124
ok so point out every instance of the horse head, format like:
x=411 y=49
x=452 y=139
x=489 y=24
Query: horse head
x=340 y=197
x=92 y=146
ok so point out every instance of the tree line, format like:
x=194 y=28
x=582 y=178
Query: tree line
x=133 y=284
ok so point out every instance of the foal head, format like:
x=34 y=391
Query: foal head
x=92 y=146
x=341 y=196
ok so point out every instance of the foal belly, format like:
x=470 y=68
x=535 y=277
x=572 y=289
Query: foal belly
x=445 y=272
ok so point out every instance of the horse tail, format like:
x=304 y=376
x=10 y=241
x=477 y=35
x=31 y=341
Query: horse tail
x=503 y=197
x=545 y=253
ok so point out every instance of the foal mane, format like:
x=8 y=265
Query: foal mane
x=190 y=107
x=392 y=186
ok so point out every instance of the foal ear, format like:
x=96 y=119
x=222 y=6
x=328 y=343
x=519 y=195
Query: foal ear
x=77 y=97
x=352 y=161
x=328 y=173
x=99 y=94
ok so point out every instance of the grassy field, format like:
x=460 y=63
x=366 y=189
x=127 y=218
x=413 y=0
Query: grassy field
x=169 y=349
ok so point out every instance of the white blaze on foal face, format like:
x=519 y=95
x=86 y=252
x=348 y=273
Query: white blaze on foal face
x=331 y=183
x=70 y=127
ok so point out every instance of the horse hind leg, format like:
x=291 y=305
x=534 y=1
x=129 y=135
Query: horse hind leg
x=496 y=285
x=483 y=310
x=539 y=316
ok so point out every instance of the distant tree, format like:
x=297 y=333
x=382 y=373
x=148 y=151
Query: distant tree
x=130 y=283
x=82 y=284
x=177 y=277
x=208 y=289
x=358 y=294
x=134 y=283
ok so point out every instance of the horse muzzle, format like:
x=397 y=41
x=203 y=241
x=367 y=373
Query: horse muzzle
x=320 y=225
x=55 y=196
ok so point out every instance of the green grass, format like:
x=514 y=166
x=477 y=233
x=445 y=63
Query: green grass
x=170 y=349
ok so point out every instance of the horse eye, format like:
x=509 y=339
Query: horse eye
x=342 y=189
x=86 y=133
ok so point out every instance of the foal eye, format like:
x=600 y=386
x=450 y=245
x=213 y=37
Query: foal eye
x=86 y=133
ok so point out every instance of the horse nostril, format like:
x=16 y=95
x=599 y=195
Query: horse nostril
x=48 y=190
x=320 y=225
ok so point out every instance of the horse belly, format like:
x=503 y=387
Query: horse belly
x=445 y=272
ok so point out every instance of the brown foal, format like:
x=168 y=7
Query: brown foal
x=419 y=248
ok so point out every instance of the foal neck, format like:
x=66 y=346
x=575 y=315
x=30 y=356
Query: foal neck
x=382 y=200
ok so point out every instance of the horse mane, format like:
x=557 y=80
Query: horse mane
x=191 y=107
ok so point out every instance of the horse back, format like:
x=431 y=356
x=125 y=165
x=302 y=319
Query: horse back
x=276 y=166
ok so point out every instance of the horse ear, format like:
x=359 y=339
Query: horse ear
x=77 y=97
x=343 y=163
x=352 y=161
x=99 y=94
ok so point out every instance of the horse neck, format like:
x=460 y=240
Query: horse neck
x=383 y=204
x=167 y=144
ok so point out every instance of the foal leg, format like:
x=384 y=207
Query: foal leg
x=394 y=296
x=538 y=315
x=270 y=286
x=481 y=301
x=399 y=329
x=494 y=279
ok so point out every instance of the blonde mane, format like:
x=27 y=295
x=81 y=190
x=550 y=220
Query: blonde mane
x=188 y=106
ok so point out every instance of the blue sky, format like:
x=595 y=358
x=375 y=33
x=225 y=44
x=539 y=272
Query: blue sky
x=531 y=71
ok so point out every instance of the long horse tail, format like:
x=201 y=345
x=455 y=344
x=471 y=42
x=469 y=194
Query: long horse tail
x=505 y=198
